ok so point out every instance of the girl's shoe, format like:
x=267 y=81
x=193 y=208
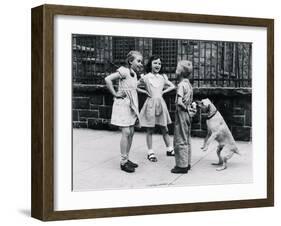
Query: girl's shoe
x=151 y=157
x=127 y=168
x=170 y=153
x=134 y=165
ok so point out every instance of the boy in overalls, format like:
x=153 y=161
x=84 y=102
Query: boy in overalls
x=183 y=114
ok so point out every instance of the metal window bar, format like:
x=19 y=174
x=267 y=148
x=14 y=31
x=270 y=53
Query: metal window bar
x=205 y=58
x=238 y=65
x=233 y=76
x=86 y=62
x=98 y=59
x=242 y=64
x=223 y=61
x=74 y=58
x=217 y=60
x=193 y=62
x=211 y=60
x=250 y=65
x=199 y=63
x=82 y=56
x=228 y=59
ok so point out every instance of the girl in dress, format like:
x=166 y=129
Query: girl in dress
x=125 y=110
x=154 y=111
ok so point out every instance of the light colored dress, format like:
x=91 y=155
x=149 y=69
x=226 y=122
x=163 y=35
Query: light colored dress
x=154 y=111
x=125 y=111
x=182 y=131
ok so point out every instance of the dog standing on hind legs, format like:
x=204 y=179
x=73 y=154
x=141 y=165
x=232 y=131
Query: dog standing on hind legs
x=219 y=131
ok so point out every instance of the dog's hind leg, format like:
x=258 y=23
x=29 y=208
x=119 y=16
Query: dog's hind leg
x=222 y=167
x=225 y=154
x=220 y=147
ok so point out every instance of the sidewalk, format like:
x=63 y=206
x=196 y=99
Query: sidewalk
x=96 y=156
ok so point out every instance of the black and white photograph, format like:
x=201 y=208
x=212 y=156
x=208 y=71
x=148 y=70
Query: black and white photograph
x=150 y=112
x=121 y=113
x=160 y=112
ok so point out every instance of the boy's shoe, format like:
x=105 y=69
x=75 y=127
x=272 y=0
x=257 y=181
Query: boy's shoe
x=170 y=153
x=188 y=167
x=177 y=169
x=127 y=168
x=134 y=165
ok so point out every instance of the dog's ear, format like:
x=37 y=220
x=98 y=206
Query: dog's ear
x=209 y=108
x=204 y=102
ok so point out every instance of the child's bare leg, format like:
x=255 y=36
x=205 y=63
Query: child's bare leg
x=165 y=134
x=124 y=144
x=149 y=133
x=150 y=153
x=130 y=139
x=166 y=138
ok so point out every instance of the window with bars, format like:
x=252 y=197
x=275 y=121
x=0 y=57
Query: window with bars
x=215 y=63
x=121 y=47
x=218 y=64
x=235 y=62
x=167 y=49
x=91 y=57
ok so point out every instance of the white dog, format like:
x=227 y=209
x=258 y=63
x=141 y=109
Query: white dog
x=219 y=131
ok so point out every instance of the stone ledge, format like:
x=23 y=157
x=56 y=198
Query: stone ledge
x=222 y=91
x=85 y=88
x=202 y=92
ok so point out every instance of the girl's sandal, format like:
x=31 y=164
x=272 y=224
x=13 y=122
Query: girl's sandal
x=170 y=153
x=151 y=157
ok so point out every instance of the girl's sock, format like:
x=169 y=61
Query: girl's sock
x=150 y=151
x=171 y=148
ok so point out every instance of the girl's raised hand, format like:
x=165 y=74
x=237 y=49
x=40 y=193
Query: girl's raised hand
x=120 y=95
x=148 y=94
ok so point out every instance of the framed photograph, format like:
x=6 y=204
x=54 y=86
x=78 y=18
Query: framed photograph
x=142 y=112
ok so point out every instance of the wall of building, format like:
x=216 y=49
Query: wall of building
x=92 y=106
x=221 y=72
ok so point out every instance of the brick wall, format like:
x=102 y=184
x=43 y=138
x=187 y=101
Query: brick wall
x=235 y=107
x=92 y=105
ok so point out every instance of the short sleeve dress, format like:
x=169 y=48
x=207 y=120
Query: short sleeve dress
x=125 y=111
x=154 y=111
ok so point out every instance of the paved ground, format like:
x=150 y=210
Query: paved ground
x=96 y=163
